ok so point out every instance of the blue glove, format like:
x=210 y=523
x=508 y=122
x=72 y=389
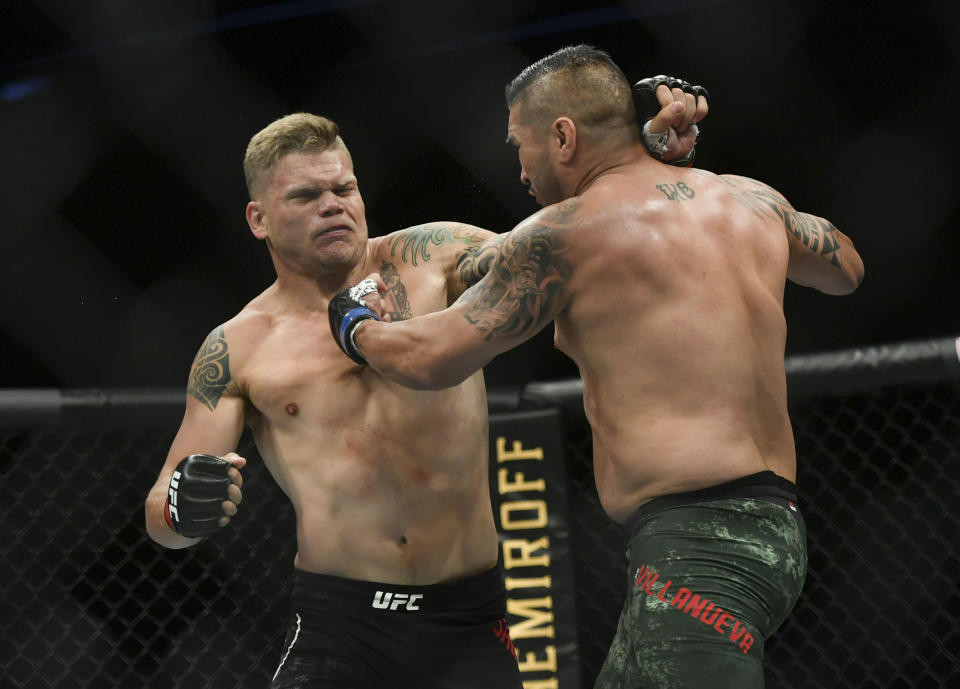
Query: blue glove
x=347 y=311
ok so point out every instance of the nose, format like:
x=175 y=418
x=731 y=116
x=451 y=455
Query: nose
x=524 y=180
x=330 y=205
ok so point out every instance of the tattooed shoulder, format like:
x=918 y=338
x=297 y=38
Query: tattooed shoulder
x=758 y=198
x=474 y=261
x=817 y=234
x=414 y=243
x=210 y=372
x=526 y=285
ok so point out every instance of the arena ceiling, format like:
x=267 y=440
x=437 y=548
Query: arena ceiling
x=123 y=125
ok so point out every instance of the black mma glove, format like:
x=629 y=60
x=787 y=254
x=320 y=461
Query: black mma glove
x=647 y=106
x=347 y=311
x=195 y=498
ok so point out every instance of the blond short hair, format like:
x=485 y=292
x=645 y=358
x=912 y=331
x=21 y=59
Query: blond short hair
x=300 y=131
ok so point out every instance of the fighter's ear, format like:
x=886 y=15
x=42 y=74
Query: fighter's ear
x=255 y=219
x=563 y=133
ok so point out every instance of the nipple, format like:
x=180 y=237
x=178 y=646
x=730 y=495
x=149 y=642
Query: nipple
x=292 y=409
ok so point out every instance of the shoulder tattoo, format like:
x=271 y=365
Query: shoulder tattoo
x=414 y=243
x=521 y=292
x=817 y=234
x=474 y=262
x=210 y=372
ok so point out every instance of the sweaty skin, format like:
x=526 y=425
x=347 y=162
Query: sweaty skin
x=666 y=286
x=388 y=484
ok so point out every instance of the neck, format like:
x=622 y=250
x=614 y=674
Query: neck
x=313 y=289
x=606 y=159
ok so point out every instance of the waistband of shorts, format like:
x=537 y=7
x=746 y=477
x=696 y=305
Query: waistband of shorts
x=764 y=485
x=469 y=593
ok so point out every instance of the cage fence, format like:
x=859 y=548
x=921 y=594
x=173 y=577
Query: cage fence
x=88 y=600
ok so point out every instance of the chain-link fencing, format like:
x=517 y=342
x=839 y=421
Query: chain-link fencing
x=88 y=600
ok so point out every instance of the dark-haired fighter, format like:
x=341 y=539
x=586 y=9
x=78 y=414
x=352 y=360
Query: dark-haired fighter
x=396 y=581
x=666 y=287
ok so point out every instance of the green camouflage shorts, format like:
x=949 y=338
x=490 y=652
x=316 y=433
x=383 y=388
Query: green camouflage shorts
x=708 y=582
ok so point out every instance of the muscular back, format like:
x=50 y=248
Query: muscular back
x=666 y=286
x=676 y=322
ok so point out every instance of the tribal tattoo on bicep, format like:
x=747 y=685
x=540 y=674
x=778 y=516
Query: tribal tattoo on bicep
x=817 y=234
x=525 y=285
x=210 y=372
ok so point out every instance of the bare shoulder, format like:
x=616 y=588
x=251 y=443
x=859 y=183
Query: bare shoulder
x=560 y=218
x=760 y=198
x=542 y=241
x=440 y=241
x=217 y=368
x=527 y=284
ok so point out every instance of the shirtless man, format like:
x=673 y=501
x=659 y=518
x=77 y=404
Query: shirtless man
x=396 y=577
x=666 y=287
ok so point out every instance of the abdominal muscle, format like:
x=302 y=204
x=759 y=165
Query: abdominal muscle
x=377 y=504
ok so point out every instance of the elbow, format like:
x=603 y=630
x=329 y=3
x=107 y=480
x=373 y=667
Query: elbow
x=853 y=276
x=857 y=276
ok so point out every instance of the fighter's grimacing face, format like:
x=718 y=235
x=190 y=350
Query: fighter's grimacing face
x=313 y=214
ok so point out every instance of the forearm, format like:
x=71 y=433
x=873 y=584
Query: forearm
x=214 y=432
x=426 y=353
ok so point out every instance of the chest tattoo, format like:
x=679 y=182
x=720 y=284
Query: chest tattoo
x=398 y=306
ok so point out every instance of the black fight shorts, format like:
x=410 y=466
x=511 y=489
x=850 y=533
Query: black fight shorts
x=365 y=635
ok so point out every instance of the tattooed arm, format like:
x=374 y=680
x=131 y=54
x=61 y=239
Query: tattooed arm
x=212 y=424
x=523 y=290
x=821 y=256
x=473 y=262
x=464 y=251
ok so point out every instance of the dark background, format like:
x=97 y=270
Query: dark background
x=123 y=125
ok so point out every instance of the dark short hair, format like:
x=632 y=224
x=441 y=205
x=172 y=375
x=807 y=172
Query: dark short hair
x=581 y=81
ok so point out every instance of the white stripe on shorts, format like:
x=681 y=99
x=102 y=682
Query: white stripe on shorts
x=289 y=648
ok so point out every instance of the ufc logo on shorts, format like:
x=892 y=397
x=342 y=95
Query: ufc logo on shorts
x=386 y=599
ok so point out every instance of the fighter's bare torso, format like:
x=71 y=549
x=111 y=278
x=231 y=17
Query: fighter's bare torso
x=677 y=328
x=388 y=484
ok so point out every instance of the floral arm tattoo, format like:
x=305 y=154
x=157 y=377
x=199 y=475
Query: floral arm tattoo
x=817 y=234
x=524 y=287
x=210 y=372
